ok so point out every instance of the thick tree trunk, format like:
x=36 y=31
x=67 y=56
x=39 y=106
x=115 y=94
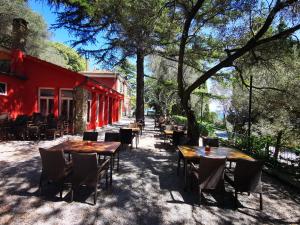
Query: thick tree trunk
x=139 y=114
x=278 y=144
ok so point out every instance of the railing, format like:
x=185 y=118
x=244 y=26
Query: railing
x=288 y=160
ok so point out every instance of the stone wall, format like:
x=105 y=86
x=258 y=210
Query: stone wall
x=81 y=98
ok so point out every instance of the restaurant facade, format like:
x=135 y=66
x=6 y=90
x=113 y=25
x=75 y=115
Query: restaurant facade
x=30 y=85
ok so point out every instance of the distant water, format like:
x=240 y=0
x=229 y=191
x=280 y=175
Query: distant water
x=222 y=134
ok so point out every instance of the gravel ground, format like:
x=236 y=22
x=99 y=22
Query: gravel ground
x=146 y=190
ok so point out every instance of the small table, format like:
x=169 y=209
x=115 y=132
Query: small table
x=190 y=153
x=100 y=147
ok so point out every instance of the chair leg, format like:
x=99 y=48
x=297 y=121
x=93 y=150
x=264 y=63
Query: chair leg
x=178 y=166
x=95 y=196
x=106 y=179
x=72 y=194
x=235 y=198
x=200 y=192
x=40 y=185
x=261 y=201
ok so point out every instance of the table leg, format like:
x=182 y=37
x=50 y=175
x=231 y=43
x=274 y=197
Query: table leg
x=185 y=174
x=111 y=168
x=118 y=153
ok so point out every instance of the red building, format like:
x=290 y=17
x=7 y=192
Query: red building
x=114 y=81
x=28 y=85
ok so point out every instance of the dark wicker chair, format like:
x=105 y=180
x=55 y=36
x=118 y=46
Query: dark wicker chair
x=54 y=168
x=212 y=142
x=112 y=136
x=209 y=175
x=178 y=137
x=90 y=136
x=126 y=137
x=247 y=178
x=88 y=171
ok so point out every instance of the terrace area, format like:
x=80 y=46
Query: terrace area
x=145 y=190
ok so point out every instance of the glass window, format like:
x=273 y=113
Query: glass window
x=66 y=93
x=43 y=106
x=50 y=106
x=46 y=92
x=3 y=89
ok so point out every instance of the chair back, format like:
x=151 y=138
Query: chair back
x=90 y=136
x=211 y=172
x=212 y=142
x=126 y=136
x=169 y=127
x=110 y=136
x=247 y=175
x=84 y=168
x=178 y=137
x=53 y=163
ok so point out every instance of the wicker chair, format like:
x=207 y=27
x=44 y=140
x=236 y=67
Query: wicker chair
x=90 y=136
x=88 y=171
x=126 y=137
x=212 y=142
x=54 y=168
x=209 y=175
x=247 y=178
x=112 y=136
x=178 y=137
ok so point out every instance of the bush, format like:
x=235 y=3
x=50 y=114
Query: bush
x=206 y=129
x=179 y=119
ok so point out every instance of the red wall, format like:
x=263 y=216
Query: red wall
x=109 y=82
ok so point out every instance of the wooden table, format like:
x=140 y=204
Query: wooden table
x=190 y=153
x=105 y=148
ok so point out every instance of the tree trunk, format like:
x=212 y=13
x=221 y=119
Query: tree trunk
x=192 y=129
x=139 y=114
x=278 y=144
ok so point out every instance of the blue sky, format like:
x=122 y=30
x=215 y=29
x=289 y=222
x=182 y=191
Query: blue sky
x=42 y=8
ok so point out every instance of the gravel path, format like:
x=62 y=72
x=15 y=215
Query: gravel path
x=146 y=190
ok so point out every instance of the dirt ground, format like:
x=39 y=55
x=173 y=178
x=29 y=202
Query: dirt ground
x=146 y=190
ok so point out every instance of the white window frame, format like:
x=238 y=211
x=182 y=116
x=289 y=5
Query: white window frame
x=5 y=93
x=65 y=98
x=44 y=97
x=97 y=107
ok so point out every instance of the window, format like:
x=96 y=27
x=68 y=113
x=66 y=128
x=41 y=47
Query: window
x=3 y=89
x=46 y=101
x=66 y=104
x=89 y=104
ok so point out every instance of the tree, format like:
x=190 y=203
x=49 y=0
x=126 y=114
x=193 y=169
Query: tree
x=216 y=34
x=128 y=28
x=276 y=110
x=73 y=60
x=37 y=29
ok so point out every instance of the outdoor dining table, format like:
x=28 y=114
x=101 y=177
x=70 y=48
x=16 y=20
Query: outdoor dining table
x=100 y=147
x=192 y=153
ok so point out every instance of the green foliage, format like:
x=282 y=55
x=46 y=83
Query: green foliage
x=73 y=60
x=206 y=129
x=37 y=29
x=182 y=120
